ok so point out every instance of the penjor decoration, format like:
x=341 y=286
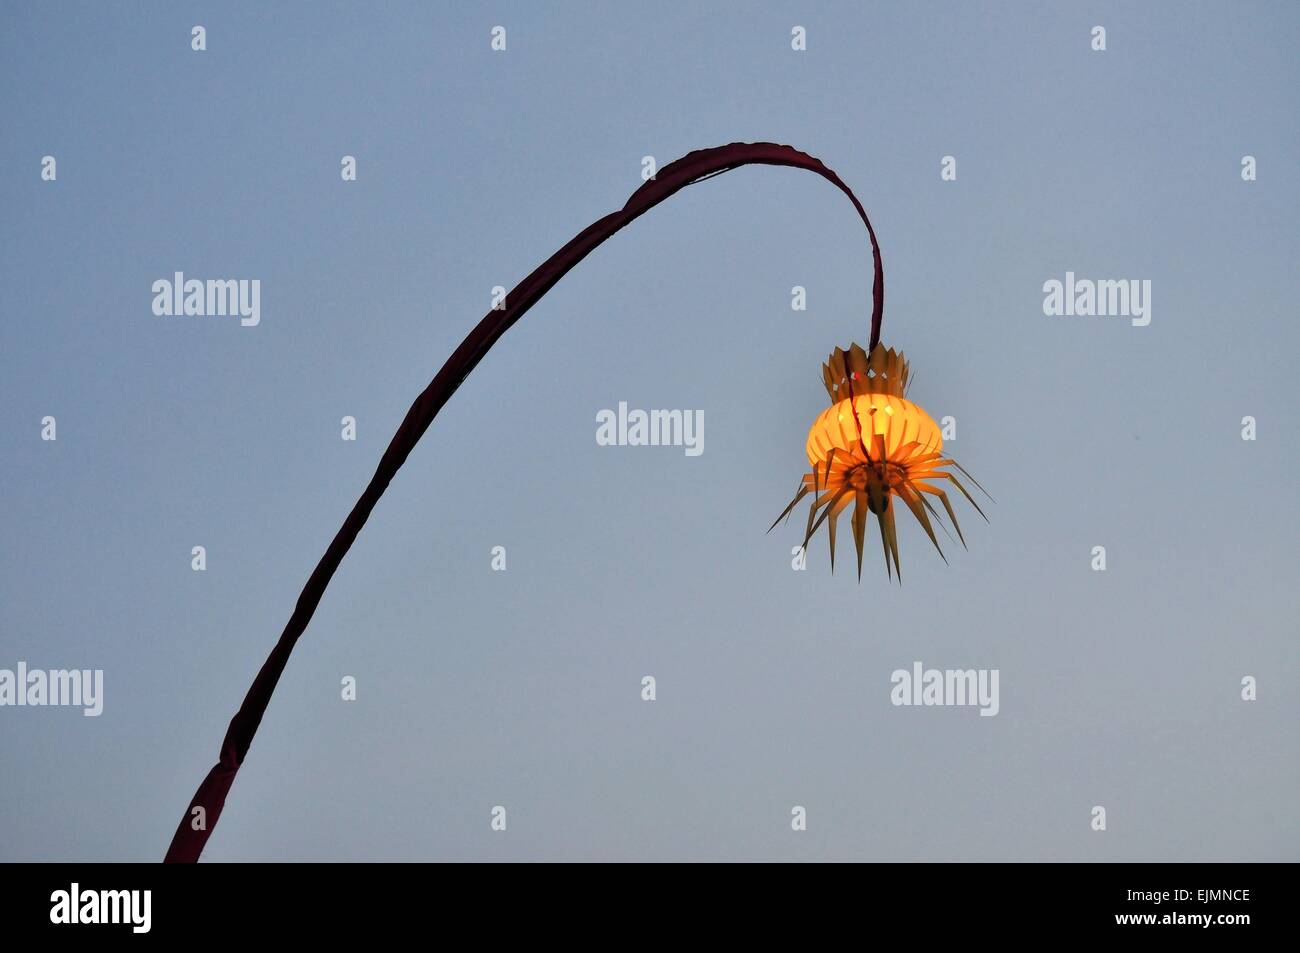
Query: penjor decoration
x=872 y=447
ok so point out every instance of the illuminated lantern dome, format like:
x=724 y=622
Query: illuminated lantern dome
x=870 y=447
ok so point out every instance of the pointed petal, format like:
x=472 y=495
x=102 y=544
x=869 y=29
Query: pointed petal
x=830 y=507
x=943 y=498
x=830 y=529
x=884 y=545
x=918 y=511
x=967 y=475
x=803 y=491
x=812 y=512
x=937 y=517
x=892 y=529
x=860 y=510
x=964 y=492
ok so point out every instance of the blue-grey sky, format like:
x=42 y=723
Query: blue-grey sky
x=522 y=688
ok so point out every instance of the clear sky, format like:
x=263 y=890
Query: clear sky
x=522 y=688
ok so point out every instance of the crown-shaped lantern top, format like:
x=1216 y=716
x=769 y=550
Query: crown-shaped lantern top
x=884 y=371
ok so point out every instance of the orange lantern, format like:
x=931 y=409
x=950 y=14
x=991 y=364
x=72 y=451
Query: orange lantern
x=870 y=447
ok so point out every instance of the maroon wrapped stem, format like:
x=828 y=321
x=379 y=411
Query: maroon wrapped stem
x=187 y=843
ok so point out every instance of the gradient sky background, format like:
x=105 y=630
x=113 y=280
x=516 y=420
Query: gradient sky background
x=523 y=688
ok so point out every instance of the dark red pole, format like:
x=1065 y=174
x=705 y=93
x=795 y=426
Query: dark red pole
x=188 y=841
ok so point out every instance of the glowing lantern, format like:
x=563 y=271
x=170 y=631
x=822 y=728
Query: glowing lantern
x=870 y=447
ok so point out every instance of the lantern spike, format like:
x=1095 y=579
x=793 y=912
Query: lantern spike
x=860 y=511
x=925 y=459
x=891 y=529
x=878 y=447
x=812 y=509
x=803 y=491
x=947 y=505
x=938 y=518
x=830 y=531
x=908 y=452
x=830 y=506
x=884 y=547
x=837 y=507
x=964 y=492
x=966 y=474
x=919 y=512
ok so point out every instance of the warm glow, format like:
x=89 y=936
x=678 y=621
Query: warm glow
x=898 y=420
x=871 y=447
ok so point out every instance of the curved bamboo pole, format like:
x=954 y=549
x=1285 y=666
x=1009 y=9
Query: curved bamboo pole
x=188 y=842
